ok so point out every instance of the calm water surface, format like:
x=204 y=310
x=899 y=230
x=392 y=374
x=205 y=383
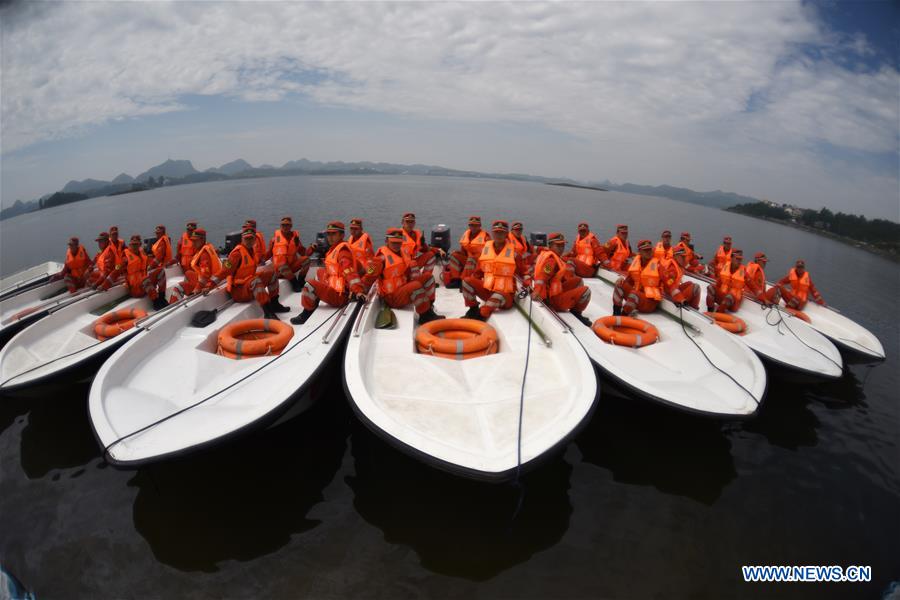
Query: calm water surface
x=644 y=503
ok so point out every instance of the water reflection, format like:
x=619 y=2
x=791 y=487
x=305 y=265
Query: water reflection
x=648 y=444
x=58 y=434
x=457 y=526
x=785 y=419
x=244 y=499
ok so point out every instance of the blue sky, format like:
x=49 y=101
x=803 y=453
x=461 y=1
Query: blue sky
x=796 y=102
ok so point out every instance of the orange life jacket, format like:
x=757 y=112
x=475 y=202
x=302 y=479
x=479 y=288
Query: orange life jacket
x=136 y=267
x=119 y=245
x=646 y=278
x=520 y=244
x=162 y=250
x=78 y=264
x=620 y=254
x=187 y=248
x=259 y=247
x=247 y=269
x=732 y=283
x=360 y=248
x=108 y=260
x=395 y=267
x=474 y=246
x=722 y=257
x=688 y=253
x=584 y=251
x=661 y=252
x=756 y=277
x=665 y=265
x=544 y=261
x=799 y=285
x=412 y=243
x=334 y=278
x=215 y=265
x=499 y=268
x=283 y=248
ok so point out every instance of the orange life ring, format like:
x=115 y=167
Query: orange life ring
x=254 y=338
x=113 y=323
x=728 y=322
x=625 y=331
x=459 y=339
x=798 y=313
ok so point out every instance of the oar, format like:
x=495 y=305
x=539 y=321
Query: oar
x=204 y=318
x=51 y=306
x=547 y=341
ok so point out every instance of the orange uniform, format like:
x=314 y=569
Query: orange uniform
x=185 y=251
x=288 y=255
x=556 y=283
x=362 y=248
x=618 y=252
x=246 y=280
x=728 y=290
x=76 y=269
x=493 y=279
x=587 y=253
x=796 y=288
x=463 y=262
x=397 y=285
x=756 y=284
x=336 y=281
x=107 y=265
x=640 y=289
x=681 y=292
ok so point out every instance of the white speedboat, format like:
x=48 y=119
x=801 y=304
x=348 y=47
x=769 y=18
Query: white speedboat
x=463 y=415
x=783 y=340
x=694 y=366
x=167 y=392
x=22 y=309
x=844 y=331
x=67 y=339
x=28 y=278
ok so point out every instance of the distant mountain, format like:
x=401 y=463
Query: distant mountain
x=170 y=168
x=717 y=199
x=80 y=187
x=266 y=167
x=233 y=168
x=122 y=178
x=20 y=208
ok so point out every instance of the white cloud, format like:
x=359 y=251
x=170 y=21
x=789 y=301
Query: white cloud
x=636 y=80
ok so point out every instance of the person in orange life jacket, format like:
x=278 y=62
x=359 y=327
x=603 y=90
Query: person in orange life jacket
x=523 y=246
x=360 y=242
x=160 y=258
x=756 y=281
x=414 y=245
x=185 y=249
x=288 y=254
x=671 y=271
x=692 y=260
x=338 y=281
x=247 y=280
x=162 y=247
x=464 y=261
x=77 y=267
x=204 y=264
x=587 y=252
x=555 y=280
x=107 y=264
x=137 y=271
x=640 y=289
x=494 y=277
x=618 y=250
x=391 y=267
x=115 y=240
x=663 y=246
x=722 y=257
x=726 y=293
x=796 y=287
x=259 y=241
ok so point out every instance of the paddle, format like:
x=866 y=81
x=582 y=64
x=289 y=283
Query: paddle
x=547 y=341
x=204 y=318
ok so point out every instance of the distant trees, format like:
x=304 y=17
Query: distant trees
x=879 y=232
x=61 y=198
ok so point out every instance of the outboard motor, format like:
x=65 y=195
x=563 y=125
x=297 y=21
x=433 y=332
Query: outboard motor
x=322 y=245
x=538 y=238
x=440 y=237
x=232 y=239
x=148 y=246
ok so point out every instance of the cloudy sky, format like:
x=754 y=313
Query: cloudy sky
x=796 y=102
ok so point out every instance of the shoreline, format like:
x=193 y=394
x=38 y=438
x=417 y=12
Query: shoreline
x=892 y=256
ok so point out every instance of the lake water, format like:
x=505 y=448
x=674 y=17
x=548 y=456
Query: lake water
x=645 y=502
